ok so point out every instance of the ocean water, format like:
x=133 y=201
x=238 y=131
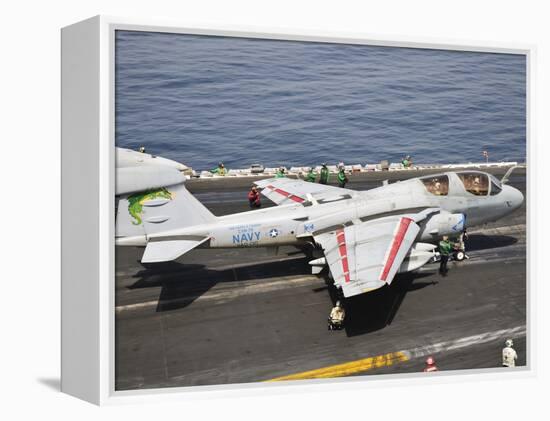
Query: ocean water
x=203 y=99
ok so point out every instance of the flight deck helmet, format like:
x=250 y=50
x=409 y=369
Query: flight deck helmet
x=430 y=360
x=509 y=343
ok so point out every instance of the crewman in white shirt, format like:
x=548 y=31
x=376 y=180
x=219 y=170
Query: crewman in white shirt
x=337 y=316
x=509 y=355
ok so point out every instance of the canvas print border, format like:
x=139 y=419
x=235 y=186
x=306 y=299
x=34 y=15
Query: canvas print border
x=106 y=29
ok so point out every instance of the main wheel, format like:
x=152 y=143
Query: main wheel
x=460 y=256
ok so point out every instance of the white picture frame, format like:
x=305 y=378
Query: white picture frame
x=88 y=186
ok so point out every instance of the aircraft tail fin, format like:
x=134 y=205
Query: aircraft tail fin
x=141 y=214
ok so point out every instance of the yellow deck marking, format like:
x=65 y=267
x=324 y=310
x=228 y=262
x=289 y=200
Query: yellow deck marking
x=349 y=368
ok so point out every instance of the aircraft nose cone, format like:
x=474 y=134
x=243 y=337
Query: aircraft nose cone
x=518 y=198
x=515 y=197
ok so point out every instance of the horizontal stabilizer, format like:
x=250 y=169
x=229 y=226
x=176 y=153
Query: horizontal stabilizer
x=164 y=251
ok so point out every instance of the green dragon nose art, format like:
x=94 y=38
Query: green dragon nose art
x=135 y=202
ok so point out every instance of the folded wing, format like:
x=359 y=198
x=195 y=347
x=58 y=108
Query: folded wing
x=367 y=256
x=288 y=190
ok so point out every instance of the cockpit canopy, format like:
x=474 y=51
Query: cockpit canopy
x=436 y=184
x=480 y=184
x=474 y=182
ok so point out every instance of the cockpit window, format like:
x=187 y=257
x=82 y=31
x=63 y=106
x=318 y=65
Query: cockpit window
x=496 y=185
x=475 y=183
x=495 y=189
x=438 y=185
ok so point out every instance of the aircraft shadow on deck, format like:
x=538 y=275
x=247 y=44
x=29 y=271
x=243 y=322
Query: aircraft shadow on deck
x=477 y=242
x=181 y=284
x=370 y=312
x=374 y=311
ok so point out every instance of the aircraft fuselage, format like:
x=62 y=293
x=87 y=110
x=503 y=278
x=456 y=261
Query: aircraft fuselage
x=293 y=224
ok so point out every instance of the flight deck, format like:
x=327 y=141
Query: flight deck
x=248 y=315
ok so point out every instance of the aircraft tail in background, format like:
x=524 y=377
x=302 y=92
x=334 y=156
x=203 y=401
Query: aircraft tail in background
x=139 y=215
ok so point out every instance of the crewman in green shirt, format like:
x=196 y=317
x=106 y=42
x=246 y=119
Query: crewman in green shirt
x=342 y=178
x=220 y=169
x=311 y=176
x=323 y=179
x=280 y=173
x=445 y=249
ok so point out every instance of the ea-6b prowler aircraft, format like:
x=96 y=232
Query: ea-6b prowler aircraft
x=367 y=237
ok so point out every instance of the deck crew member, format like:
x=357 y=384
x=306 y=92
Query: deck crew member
x=509 y=355
x=323 y=179
x=254 y=198
x=280 y=173
x=311 y=176
x=337 y=316
x=342 y=177
x=445 y=248
x=407 y=161
x=430 y=365
x=220 y=169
